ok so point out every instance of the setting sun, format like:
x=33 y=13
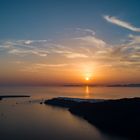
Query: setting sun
x=87 y=78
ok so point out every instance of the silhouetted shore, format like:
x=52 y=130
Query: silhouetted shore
x=94 y=85
x=116 y=117
x=13 y=96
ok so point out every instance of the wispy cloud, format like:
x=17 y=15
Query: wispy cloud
x=121 y=23
x=51 y=65
x=22 y=52
x=84 y=49
x=25 y=47
x=92 y=40
x=85 y=31
x=76 y=55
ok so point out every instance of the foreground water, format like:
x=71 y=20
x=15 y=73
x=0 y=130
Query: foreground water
x=25 y=118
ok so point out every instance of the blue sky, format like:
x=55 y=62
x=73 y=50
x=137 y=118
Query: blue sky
x=62 y=41
x=41 y=19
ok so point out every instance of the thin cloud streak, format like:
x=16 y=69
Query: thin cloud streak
x=76 y=55
x=85 y=31
x=121 y=23
x=51 y=65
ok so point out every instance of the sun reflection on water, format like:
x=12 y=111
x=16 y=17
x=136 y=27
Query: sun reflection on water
x=87 y=92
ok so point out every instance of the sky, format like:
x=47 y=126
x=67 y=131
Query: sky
x=45 y=42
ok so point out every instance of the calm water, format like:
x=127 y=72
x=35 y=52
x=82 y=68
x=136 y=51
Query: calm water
x=25 y=118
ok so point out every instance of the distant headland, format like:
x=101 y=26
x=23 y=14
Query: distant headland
x=103 y=85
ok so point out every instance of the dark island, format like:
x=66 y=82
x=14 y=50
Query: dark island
x=119 y=117
x=13 y=96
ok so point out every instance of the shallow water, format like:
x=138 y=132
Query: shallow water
x=25 y=118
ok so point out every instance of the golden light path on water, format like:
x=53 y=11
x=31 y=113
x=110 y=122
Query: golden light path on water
x=87 y=92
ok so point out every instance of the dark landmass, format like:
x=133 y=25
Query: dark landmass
x=69 y=102
x=125 y=85
x=119 y=117
x=93 y=85
x=13 y=96
x=60 y=102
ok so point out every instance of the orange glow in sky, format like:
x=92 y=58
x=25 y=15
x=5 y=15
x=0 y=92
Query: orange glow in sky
x=64 y=64
x=62 y=47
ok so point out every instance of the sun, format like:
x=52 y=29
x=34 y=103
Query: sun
x=87 y=73
x=87 y=78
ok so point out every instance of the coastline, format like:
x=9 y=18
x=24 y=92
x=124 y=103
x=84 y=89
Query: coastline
x=115 y=117
x=13 y=96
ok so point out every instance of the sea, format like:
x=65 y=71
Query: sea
x=27 y=119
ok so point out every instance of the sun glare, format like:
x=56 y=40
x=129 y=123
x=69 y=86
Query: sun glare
x=87 y=78
x=87 y=72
